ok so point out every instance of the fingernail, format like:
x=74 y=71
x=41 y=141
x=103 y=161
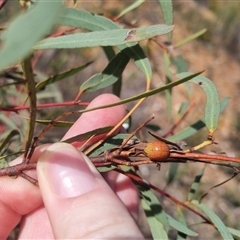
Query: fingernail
x=66 y=171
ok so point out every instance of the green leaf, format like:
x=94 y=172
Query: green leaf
x=155 y=206
x=167 y=9
x=234 y=232
x=183 y=108
x=8 y=138
x=190 y=38
x=111 y=142
x=86 y=20
x=55 y=124
x=104 y=38
x=222 y=229
x=142 y=95
x=60 y=76
x=109 y=76
x=212 y=109
x=156 y=227
x=82 y=19
x=172 y=172
x=136 y=53
x=87 y=135
x=195 y=127
x=26 y=30
x=181 y=219
x=134 y=5
x=180 y=64
x=180 y=227
x=106 y=168
x=195 y=184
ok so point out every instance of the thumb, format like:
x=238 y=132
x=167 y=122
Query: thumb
x=79 y=203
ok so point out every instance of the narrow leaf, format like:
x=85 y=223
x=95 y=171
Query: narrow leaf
x=181 y=218
x=195 y=184
x=82 y=19
x=136 y=53
x=145 y=94
x=104 y=38
x=156 y=227
x=172 y=172
x=190 y=38
x=26 y=30
x=155 y=206
x=180 y=64
x=134 y=5
x=60 y=76
x=167 y=9
x=195 y=127
x=109 y=76
x=220 y=226
x=8 y=138
x=212 y=109
x=87 y=135
x=111 y=142
x=55 y=124
x=180 y=227
x=234 y=232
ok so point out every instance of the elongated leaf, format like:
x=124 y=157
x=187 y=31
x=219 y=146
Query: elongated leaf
x=110 y=143
x=172 y=172
x=109 y=52
x=82 y=19
x=183 y=108
x=195 y=184
x=145 y=94
x=212 y=109
x=134 y=5
x=86 y=20
x=8 y=138
x=181 y=218
x=156 y=227
x=87 y=135
x=106 y=169
x=222 y=229
x=180 y=227
x=109 y=76
x=104 y=38
x=190 y=38
x=180 y=64
x=56 y=124
x=9 y=123
x=26 y=30
x=195 y=127
x=167 y=9
x=60 y=76
x=155 y=206
x=136 y=53
x=234 y=232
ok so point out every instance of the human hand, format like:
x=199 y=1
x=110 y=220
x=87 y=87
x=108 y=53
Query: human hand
x=73 y=200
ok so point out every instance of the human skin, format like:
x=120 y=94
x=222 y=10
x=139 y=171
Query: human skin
x=73 y=199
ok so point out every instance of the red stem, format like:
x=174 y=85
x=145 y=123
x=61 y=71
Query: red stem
x=44 y=105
